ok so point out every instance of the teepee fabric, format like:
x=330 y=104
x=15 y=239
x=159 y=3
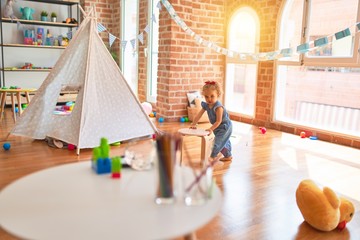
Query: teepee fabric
x=105 y=104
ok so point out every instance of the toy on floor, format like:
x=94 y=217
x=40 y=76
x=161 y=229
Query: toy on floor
x=262 y=130
x=322 y=208
x=6 y=146
x=161 y=119
x=147 y=107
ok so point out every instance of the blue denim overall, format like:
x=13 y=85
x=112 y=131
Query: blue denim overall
x=222 y=132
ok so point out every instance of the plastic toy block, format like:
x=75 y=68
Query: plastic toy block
x=101 y=165
x=116 y=175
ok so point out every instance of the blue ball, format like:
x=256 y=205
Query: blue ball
x=182 y=119
x=6 y=146
x=161 y=119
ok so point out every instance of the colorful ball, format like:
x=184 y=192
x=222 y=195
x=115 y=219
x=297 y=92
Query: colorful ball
x=161 y=119
x=71 y=147
x=186 y=119
x=182 y=119
x=147 y=107
x=263 y=130
x=6 y=146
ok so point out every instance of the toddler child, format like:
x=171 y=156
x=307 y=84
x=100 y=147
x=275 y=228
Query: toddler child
x=219 y=118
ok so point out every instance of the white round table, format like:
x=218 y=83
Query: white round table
x=72 y=202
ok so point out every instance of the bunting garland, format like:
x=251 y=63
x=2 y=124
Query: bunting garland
x=263 y=56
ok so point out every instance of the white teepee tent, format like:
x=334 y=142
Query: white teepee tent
x=105 y=104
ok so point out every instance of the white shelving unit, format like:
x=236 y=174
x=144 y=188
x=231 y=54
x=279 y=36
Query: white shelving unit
x=14 y=53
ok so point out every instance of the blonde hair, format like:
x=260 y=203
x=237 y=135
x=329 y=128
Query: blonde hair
x=212 y=85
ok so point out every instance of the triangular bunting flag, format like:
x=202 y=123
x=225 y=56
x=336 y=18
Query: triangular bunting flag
x=342 y=34
x=132 y=41
x=141 y=38
x=321 y=41
x=158 y=5
x=100 y=27
x=123 y=43
x=147 y=29
x=111 y=39
x=153 y=18
x=303 y=48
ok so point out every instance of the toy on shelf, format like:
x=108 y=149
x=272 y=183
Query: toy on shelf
x=70 y=21
x=27 y=13
x=9 y=11
x=322 y=208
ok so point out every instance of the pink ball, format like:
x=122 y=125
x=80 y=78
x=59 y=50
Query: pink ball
x=147 y=107
x=263 y=130
x=71 y=147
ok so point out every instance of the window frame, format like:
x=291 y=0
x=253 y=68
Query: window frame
x=304 y=59
x=248 y=60
x=150 y=95
x=123 y=28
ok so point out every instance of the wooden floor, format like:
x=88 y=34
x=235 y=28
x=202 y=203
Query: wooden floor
x=258 y=185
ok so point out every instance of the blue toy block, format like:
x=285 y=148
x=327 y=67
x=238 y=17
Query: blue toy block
x=101 y=165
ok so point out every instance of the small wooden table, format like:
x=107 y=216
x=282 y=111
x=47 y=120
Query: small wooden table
x=206 y=142
x=14 y=93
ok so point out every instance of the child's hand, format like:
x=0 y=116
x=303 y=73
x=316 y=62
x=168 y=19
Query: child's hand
x=209 y=130
x=193 y=126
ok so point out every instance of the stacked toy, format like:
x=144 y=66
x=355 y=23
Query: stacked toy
x=101 y=162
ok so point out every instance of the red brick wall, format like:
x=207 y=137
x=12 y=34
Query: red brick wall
x=142 y=77
x=108 y=13
x=184 y=65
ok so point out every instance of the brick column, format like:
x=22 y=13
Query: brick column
x=183 y=65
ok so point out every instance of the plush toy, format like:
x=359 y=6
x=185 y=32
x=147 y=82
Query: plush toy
x=8 y=10
x=27 y=13
x=323 y=209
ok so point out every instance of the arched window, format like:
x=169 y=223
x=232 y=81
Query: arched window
x=241 y=74
x=319 y=89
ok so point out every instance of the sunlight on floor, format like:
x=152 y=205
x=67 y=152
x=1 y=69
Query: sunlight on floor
x=288 y=155
x=334 y=175
x=332 y=165
x=323 y=148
